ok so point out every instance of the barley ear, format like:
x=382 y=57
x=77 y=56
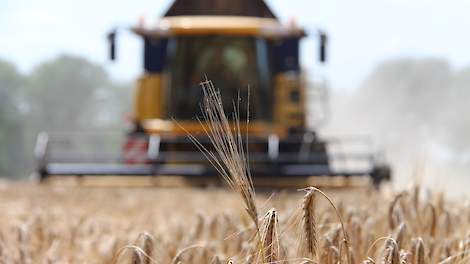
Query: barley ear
x=404 y=257
x=146 y=243
x=216 y=260
x=391 y=211
x=308 y=236
x=343 y=229
x=399 y=235
x=418 y=251
x=433 y=220
x=270 y=237
x=392 y=255
x=137 y=257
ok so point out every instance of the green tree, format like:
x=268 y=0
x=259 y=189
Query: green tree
x=11 y=123
x=65 y=94
x=61 y=90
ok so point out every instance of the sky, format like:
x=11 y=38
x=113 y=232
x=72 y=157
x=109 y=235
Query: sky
x=363 y=33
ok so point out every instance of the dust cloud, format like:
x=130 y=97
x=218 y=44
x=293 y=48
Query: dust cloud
x=418 y=111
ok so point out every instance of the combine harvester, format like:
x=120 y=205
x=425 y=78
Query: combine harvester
x=237 y=44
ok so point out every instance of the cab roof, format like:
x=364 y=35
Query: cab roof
x=219 y=25
x=250 y=8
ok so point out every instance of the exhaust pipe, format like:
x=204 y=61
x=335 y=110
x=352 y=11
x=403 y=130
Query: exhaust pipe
x=112 y=44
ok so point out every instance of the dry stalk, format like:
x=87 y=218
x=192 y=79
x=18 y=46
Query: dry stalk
x=229 y=158
x=179 y=256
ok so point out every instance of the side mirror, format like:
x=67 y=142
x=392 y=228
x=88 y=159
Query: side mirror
x=323 y=46
x=112 y=44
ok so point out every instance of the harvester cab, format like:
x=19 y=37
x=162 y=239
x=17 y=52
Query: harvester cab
x=247 y=53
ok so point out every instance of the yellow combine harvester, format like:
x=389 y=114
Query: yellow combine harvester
x=237 y=44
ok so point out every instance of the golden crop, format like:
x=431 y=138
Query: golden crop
x=47 y=224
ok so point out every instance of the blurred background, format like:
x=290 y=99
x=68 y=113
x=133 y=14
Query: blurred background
x=398 y=71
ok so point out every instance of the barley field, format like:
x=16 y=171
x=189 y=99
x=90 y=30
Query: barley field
x=65 y=224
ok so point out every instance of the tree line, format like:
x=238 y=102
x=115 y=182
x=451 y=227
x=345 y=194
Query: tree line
x=67 y=93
